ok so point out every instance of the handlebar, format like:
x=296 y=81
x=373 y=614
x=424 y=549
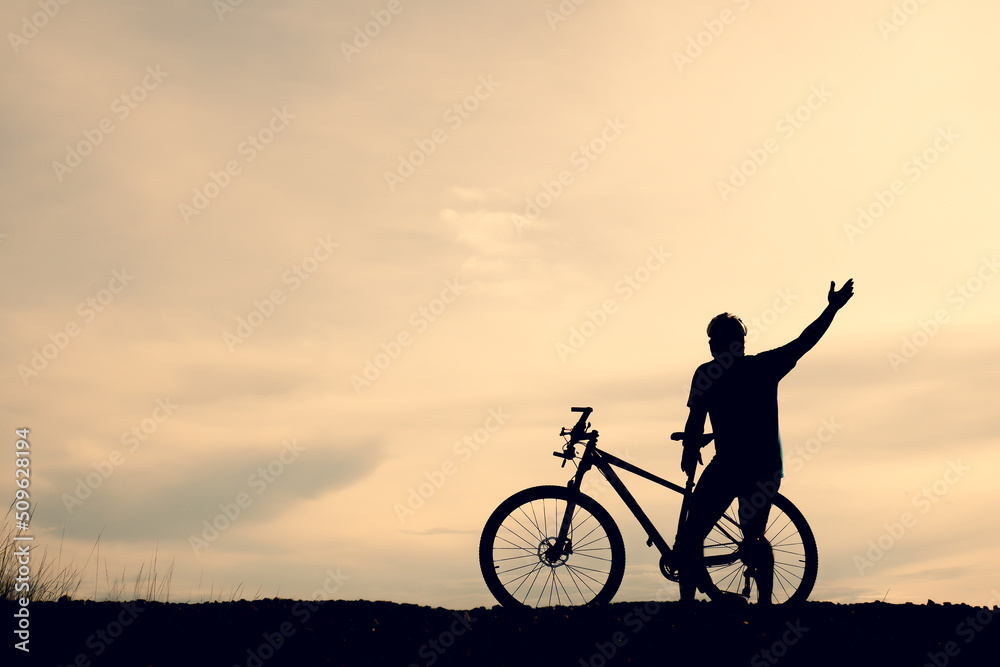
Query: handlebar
x=579 y=433
x=579 y=430
x=576 y=434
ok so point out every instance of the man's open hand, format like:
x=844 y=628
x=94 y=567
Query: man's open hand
x=838 y=298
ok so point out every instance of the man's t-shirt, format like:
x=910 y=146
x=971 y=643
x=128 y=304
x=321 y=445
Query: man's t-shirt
x=740 y=395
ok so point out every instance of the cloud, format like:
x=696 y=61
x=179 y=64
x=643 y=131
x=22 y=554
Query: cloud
x=134 y=506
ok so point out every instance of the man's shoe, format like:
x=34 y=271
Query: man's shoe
x=724 y=598
x=730 y=600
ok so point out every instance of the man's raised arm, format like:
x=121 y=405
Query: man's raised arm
x=812 y=333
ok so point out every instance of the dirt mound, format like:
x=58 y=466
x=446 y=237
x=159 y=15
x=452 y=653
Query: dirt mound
x=288 y=632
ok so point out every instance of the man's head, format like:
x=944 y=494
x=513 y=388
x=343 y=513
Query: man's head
x=726 y=333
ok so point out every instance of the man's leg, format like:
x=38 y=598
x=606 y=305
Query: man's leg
x=710 y=498
x=755 y=507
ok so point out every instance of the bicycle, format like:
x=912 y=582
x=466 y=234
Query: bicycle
x=555 y=545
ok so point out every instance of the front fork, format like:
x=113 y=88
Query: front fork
x=562 y=546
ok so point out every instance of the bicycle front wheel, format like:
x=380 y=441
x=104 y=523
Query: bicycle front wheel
x=787 y=562
x=520 y=559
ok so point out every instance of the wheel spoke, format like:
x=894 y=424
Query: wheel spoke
x=524 y=579
x=582 y=573
x=529 y=546
x=577 y=581
x=585 y=546
x=597 y=527
x=534 y=564
x=539 y=533
x=562 y=586
x=586 y=555
x=525 y=528
x=796 y=553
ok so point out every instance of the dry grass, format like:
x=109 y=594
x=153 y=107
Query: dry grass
x=49 y=579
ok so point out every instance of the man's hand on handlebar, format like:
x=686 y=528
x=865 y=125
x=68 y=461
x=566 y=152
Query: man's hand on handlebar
x=690 y=459
x=693 y=442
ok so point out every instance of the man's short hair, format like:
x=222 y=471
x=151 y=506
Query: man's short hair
x=726 y=327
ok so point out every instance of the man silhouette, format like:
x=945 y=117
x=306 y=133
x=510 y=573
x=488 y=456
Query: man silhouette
x=740 y=394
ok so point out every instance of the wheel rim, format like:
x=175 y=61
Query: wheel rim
x=531 y=568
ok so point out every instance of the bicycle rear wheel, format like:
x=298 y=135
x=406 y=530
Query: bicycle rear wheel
x=735 y=566
x=520 y=565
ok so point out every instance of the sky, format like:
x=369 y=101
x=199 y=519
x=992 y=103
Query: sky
x=329 y=276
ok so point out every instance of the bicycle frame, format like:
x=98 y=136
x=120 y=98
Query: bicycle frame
x=605 y=463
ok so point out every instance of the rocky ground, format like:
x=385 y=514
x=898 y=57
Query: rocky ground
x=288 y=632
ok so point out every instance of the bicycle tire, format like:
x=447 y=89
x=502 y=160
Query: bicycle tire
x=511 y=551
x=791 y=540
